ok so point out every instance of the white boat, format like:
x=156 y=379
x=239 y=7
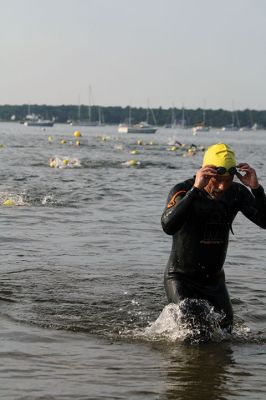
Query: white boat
x=230 y=128
x=200 y=128
x=36 y=120
x=142 y=127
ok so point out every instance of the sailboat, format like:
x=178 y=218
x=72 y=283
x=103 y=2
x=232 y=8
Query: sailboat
x=173 y=123
x=181 y=124
x=201 y=127
x=85 y=122
x=36 y=120
x=234 y=126
x=141 y=127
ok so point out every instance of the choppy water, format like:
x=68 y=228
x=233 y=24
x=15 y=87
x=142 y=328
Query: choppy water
x=82 y=305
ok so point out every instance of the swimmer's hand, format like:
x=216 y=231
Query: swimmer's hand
x=203 y=176
x=247 y=175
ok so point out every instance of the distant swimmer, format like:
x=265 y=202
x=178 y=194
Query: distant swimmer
x=199 y=216
x=131 y=163
x=9 y=202
x=57 y=162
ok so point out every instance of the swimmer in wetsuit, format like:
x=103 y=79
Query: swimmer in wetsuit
x=199 y=216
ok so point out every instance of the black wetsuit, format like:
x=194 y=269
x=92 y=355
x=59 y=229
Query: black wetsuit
x=200 y=228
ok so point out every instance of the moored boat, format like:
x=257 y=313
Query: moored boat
x=39 y=122
x=142 y=127
x=36 y=120
x=200 y=128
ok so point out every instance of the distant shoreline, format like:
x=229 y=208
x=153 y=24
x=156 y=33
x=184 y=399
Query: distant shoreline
x=114 y=115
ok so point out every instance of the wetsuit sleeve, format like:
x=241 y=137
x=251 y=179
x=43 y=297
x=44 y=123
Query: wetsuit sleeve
x=178 y=206
x=253 y=205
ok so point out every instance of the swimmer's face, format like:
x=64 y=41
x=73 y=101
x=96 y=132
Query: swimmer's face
x=219 y=184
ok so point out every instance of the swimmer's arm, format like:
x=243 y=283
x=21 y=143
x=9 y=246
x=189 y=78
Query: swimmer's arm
x=178 y=205
x=253 y=205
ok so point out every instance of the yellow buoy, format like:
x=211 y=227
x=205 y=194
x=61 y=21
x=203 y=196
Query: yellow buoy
x=65 y=161
x=8 y=202
x=77 y=134
x=77 y=143
x=50 y=139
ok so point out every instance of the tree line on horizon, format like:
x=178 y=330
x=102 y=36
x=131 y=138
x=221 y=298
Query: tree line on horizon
x=114 y=115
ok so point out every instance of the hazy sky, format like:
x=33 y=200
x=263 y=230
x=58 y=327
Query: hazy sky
x=199 y=53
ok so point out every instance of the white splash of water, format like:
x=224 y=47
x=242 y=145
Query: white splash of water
x=242 y=333
x=191 y=320
x=131 y=163
x=64 y=162
x=12 y=199
x=48 y=199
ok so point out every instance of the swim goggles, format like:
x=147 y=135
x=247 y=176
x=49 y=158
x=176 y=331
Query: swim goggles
x=223 y=170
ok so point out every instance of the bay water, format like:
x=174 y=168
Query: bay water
x=83 y=312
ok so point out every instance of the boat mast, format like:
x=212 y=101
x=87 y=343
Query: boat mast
x=79 y=108
x=148 y=110
x=129 y=116
x=99 y=116
x=203 y=117
x=235 y=119
x=173 y=117
x=89 y=108
x=183 y=121
x=204 y=113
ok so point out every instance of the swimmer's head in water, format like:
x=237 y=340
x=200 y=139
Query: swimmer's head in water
x=221 y=156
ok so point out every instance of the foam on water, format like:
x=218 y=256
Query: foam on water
x=64 y=162
x=12 y=199
x=195 y=321
x=191 y=320
x=27 y=199
x=48 y=199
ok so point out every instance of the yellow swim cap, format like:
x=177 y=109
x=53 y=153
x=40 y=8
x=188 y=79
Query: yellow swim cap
x=132 y=162
x=8 y=202
x=220 y=155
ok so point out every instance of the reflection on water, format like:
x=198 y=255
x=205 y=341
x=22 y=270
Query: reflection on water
x=197 y=372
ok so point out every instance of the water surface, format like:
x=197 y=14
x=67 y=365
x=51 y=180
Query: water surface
x=83 y=256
